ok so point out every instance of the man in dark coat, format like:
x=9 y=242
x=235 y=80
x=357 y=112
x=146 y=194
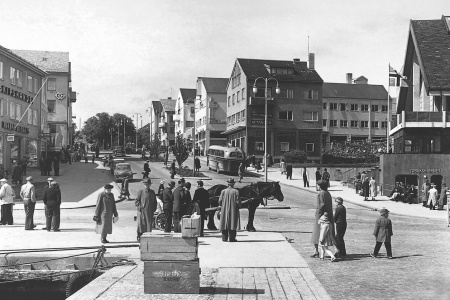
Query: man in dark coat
x=289 y=171
x=146 y=169
x=326 y=176
x=173 y=171
x=383 y=233
x=179 y=196
x=340 y=218
x=202 y=197
x=42 y=166
x=197 y=164
x=23 y=165
x=97 y=151
x=48 y=165
x=56 y=165
x=187 y=199
x=230 y=203
x=146 y=207
x=17 y=174
x=167 y=197
x=52 y=201
x=318 y=177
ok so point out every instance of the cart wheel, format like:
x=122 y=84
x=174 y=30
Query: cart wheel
x=160 y=221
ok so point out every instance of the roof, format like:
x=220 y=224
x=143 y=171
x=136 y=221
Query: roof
x=187 y=94
x=168 y=104
x=432 y=42
x=22 y=59
x=49 y=61
x=354 y=91
x=215 y=85
x=254 y=68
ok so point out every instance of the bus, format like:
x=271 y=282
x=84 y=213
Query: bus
x=224 y=159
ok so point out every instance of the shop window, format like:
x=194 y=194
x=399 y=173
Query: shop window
x=31 y=152
x=259 y=146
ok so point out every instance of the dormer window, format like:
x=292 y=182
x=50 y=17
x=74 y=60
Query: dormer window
x=283 y=71
x=446 y=20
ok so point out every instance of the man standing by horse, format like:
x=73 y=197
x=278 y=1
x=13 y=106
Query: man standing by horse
x=230 y=203
x=179 y=197
x=202 y=197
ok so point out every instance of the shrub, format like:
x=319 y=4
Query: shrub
x=295 y=156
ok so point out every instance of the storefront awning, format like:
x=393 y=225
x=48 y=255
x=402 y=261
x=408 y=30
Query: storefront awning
x=233 y=130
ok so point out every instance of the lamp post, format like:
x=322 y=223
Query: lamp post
x=137 y=126
x=193 y=133
x=255 y=90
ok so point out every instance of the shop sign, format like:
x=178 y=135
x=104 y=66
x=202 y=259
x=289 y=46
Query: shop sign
x=418 y=171
x=16 y=94
x=261 y=122
x=12 y=126
x=258 y=115
x=10 y=138
x=60 y=96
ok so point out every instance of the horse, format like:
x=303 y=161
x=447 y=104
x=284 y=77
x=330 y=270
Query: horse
x=251 y=195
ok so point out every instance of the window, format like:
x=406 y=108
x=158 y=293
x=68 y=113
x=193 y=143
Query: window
x=238 y=96
x=354 y=124
x=52 y=128
x=354 y=107
x=232 y=101
x=309 y=147
x=384 y=124
x=243 y=115
x=384 y=108
x=19 y=78
x=259 y=146
x=189 y=123
x=364 y=124
x=203 y=120
x=1 y=70
x=233 y=119
x=333 y=123
x=324 y=105
x=290 y=93
x=364 y=107
x=35 y=118
x=243 y=94
x=324 y=122
x=12 y=110
x=30 y=116
x=282 y=71
x=342 y=106
x=284 y=147
x=333 y=106
x=35 y=86
x=2 y=107
x=374 y=124
x=229 y=100
x=238 y=117
x=172 y=129
x=51 y=84
x=192 y=110
x=51 y=105
x=229 y=121
x=310 y=116
x=374 y=107
x=285 y=115
x=30 y=84
x=260 y=93
x=12 y=76
x=311 y=94
x=343 y=123
x=18 y=112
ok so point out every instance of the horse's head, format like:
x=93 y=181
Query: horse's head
x=271 y=190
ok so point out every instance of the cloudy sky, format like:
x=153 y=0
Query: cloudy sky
x=126 y=53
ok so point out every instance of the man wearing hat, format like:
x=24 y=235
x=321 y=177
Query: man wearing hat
x=104 y=212
x=46 y=187
x=179 y=197
x=7 y=196
x=425 y=190
x=201 y=196
x=146 y=207
x=340 y=218
x=230 y=203
x=27 y=193
x=146 y=169
x=52 y=202
x=432 y=197
x=326 y=176
x=161 y=188
x=167 y=197
x=383 y=233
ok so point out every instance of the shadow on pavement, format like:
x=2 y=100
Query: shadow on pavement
x=225 y=291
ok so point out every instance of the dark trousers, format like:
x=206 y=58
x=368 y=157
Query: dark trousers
x=305 y=182
x=52 y=214
x=387 y=245
x=202 y=223
x=177 y=221
x=146 y=174
x=168 y=225
x=340 y=232
x=288 y=175
x=56 y=172
x=230 y=233
x=29 y=214
x=7 y=217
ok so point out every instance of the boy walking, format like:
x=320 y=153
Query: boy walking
x=383 y=233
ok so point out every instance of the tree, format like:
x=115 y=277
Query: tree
x=155 y=146
x=180 y=149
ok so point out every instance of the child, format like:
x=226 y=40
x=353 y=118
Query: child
x=326 y=238
x=383 y=233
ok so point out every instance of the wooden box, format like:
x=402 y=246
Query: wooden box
x=168 y=246
x=171 y=277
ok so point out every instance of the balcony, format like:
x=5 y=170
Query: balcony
x=255 y=101
x=422 y=119
x=161 y=124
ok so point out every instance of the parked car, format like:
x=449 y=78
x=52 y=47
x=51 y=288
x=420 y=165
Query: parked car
x=119 y=151
x=121 y=171
x=114 y=162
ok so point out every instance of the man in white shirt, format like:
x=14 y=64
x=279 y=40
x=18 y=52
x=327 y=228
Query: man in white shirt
x=7 y=196
x=432 y=196
x=27 y=193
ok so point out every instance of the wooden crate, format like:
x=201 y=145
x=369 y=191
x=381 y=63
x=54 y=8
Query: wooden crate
x=172 y=277
x=168 y=246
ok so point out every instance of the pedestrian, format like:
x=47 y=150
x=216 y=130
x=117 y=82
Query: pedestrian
x=326 y=176
x=197 y=164
x=85 y=157
x=305 y=176
x=365 y=188
x=143 y=153
x=124 y=188
x=23 y=165
x=258 y=166
x=340 y=218
x=241 y=171
x=146 y=206
x=252 y=160
x=97 y=151
x=201 y=196
x=179 y=194
x=318 y=177
x=283 y=166
x=363 y=176
x=230 y=203
x=383 y=233
x=7 y=196
x=442 y=197
x=93 y=158
x=161 y=188
x=269 y=160
x=168 y=205
x=52 y=202
x=172 y=170
x=105 y=210
x=432 y=197
x=425 y=189
x=17 y=174
x=324 y=204
x=373 y=188
x=56 y=165
x=289 y=171
x=48 y=165
x=187 y=199
x=146 y=169
x=166 y=158
x=358 y=182
x=326 y=238
x=28 y=195
x=193 y=207
x=46 y=187
x=62 y=156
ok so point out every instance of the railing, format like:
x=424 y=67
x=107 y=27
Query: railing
x=423 y=116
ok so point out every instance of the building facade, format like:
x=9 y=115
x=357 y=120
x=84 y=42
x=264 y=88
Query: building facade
x=59 y=94
x=184 y=113
x=162 y=113
x=294 y=116
x=22 y=110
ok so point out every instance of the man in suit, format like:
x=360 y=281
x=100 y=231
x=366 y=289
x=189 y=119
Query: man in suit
x=289 y=171
x=179 y=196
x=27 y=193
x=202 y=197
x=167 y=196
x=52 y=201
x=340 y=219
x=146 y=169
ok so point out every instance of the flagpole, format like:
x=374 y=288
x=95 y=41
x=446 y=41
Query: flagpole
x=388 y=109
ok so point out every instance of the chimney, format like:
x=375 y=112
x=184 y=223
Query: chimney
x=349 y=78
x=312 y=61
x=296 y=61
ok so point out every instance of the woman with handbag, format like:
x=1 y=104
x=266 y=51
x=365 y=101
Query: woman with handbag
x=104 y=212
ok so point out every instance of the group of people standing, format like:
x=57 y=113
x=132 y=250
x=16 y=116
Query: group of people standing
x=431 y=197
x=365 y=186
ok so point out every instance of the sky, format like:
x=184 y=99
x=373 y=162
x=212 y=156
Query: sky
x=125 y=54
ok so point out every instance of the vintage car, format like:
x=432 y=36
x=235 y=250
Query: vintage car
x=119 y=151
x=113 y=163
x=121 y=171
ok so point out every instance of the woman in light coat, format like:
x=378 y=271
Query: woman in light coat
x=373 y=188
x=283 y=166
x=104 y=212
x=326 y=238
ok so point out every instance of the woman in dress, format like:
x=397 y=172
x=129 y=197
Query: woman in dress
x=373 y=188
x=104 y=212
x=326 y=237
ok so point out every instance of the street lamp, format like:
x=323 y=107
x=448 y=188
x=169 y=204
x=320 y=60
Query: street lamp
x=255 y=90
x=137 y=125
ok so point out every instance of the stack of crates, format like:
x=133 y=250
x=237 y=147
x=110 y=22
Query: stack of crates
x=171 y=264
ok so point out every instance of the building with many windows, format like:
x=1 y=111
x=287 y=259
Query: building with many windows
x=184 y=112
x=22 y=110
x=294 y=116
x=59 y=94
x=354 y=111
x=162 y=122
